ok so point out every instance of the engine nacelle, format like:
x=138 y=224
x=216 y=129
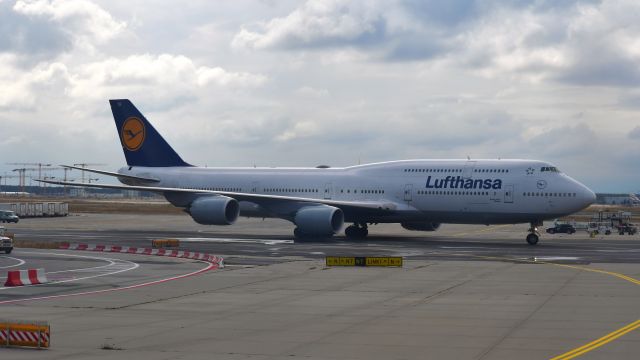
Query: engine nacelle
x=215 y=210
x=421 y=226
x=319 y=220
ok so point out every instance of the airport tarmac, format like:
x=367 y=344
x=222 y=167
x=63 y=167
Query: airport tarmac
x=464 y=292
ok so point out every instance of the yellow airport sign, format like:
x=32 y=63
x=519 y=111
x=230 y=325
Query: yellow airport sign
x=363 y=261
x=165 y=243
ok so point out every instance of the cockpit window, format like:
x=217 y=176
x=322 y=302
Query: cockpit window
x=549 y=169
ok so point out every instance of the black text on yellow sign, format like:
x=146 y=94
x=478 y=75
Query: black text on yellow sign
x=363 y=261
x=164 y=243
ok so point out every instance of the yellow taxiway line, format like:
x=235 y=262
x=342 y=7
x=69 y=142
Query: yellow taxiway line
x=600 y=341
x=612 y=335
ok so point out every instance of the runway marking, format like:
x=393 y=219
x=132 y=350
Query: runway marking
x=555 y=258
x=20 y=262
x=461 y=247
x=232 y=240
x=609 y=337
x=599 y=342
x=109 y=260
x=596 y=343
x=211 y=266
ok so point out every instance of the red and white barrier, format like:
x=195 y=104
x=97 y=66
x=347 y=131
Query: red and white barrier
x=146 y=251
x=18 y=334
x=25 y=277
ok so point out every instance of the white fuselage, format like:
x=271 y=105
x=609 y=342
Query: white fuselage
x=441 y=191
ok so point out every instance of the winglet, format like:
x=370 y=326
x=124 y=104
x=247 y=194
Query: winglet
x=141 y=143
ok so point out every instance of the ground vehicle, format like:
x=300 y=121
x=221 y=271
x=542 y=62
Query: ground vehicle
x=8 y=216
x=562 y=228
x=6 y=240
x=627 y=228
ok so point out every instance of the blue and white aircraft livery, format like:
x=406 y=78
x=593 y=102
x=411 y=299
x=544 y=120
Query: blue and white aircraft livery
x=418 y=194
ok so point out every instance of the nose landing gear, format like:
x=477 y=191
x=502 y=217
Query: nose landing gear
x=357 y=231
x=534 y=235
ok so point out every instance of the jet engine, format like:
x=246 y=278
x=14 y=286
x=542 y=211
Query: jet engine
x=214 y=210
x=318 y=220
x=421 y=226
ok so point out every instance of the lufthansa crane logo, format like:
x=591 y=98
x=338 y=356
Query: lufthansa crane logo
x=133 y=134
x=541 y=184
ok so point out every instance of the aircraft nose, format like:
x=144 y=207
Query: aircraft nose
x=586 y=196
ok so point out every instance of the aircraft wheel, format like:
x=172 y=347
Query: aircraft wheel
x=355 y=232
x=532 y=239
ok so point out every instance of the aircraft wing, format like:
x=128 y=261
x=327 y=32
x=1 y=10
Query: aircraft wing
x=110 y=173
x=386 y=207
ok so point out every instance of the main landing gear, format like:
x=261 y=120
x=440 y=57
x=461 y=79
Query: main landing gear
x=534 y=235
x=357 y=231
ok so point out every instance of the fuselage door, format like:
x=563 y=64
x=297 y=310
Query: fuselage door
x=508 y=194
x=467 y=172
x=408 y=191
x=327 y=191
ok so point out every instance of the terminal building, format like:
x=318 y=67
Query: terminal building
x=618 y=199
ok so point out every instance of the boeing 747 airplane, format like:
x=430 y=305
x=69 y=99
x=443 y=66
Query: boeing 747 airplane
x=418 y=194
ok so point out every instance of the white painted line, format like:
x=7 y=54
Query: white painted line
x=460 y=247
x=233 y=240
x=118 y=262
x=555 y=258
x=210 y=266
x=70 y=235
x=20 y=262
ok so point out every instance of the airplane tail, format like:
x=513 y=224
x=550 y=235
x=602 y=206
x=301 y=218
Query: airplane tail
x=141 y=143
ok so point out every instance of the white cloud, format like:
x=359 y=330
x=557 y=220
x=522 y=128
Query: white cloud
x=300 y=130
x=164 y=73
x=85 y=21
x=308 y=91
x=586 y=43
x=217 y=75
x=334 y=80
x=20 y=90
x=501 y=45
x=332 y=21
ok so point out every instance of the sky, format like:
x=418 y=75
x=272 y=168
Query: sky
x=304 y=83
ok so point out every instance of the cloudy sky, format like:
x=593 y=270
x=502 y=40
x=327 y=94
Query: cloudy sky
x=294 y=83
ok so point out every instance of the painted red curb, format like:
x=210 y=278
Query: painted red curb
x=215 y=262
x=219 y=261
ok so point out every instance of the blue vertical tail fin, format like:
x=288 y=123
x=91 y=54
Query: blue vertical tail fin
x=141 y=143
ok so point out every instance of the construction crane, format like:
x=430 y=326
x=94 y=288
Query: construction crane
x=22 y=174
x=39 y=165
